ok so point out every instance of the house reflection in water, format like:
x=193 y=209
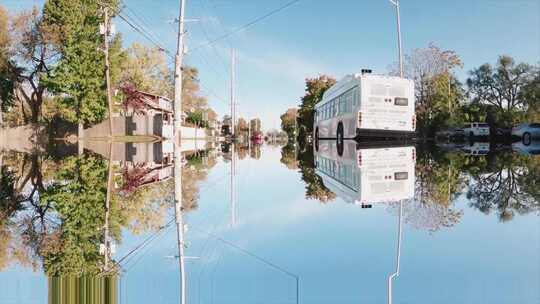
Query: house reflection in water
x=376 y=174
x=83 y=290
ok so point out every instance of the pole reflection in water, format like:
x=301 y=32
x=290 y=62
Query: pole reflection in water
x=398 y=254
x=233 y=184
x=384 y=173
x=179 y=217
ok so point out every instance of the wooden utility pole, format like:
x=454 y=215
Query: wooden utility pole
x=106 y=31
x=178 y=197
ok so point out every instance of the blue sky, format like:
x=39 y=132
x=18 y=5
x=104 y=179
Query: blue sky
x=333 y=37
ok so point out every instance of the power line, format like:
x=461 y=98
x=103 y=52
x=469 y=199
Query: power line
x=133 y=24
x=247 y=25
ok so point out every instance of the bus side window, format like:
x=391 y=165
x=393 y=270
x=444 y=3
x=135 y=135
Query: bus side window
x=348 y=101
x=356 y=98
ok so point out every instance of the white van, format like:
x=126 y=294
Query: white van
x=476 y=129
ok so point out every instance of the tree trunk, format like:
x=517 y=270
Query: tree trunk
x=34 y=108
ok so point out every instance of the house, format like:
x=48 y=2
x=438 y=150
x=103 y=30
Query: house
x=154 y=115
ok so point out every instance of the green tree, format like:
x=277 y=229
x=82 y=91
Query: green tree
x=502 y=86
x=80 y=71
x=315 y=88
x=7 y=81
x=531 y=96
x=289 y=123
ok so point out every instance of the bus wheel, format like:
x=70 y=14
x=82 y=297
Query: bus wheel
x=526 y=138
x=340 y=139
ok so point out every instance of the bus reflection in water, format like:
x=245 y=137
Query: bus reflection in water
x=368 y=175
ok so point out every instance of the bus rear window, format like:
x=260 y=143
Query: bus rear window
x=401 y=176
x=401 y=101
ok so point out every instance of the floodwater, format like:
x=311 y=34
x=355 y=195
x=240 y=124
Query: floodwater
x=353 y=223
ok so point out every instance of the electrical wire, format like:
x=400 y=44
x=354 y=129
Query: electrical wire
x=247 y=25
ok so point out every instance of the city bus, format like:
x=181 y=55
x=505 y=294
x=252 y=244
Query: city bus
x=366 y=105
x=370 y=175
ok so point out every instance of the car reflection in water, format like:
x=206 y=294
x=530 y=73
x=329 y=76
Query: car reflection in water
x=533 y=148
x=364 y=176
x=476 y=148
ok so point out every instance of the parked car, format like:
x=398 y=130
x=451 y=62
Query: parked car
x=527 y=132
x=477 y=129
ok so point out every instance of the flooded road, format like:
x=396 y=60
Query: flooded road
x=372 y=223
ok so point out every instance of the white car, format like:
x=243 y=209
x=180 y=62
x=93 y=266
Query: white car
x=476 y=129
x=527 y=132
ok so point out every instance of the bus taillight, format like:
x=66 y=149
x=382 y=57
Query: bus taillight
x=359 y=159
x=414 y=122
x=359 y=118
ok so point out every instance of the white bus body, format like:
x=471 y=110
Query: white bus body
x=367 y=176
x=366 y=104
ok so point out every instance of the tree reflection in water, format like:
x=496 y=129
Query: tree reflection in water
x=315 y=188
x=502 y=181
x=509 y=186
x=52 y=211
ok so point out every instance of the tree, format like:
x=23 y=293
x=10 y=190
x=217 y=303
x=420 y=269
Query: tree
x=7 y=81
x=33 y=55
x=438 y=93
x=80 y=71
x=289 y=123
x=530 y=94
x=315 y=88
x=256 y=127
x=241 y=126
x=502 y=86
x=147 y=70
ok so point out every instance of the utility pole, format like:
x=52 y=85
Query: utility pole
x=396 y=5
x=106 y=32
x=177 y=152
x=233 y=93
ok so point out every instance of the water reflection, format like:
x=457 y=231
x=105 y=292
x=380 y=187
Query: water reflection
x=367 y=175
x=55 y=217
x=503 y=179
